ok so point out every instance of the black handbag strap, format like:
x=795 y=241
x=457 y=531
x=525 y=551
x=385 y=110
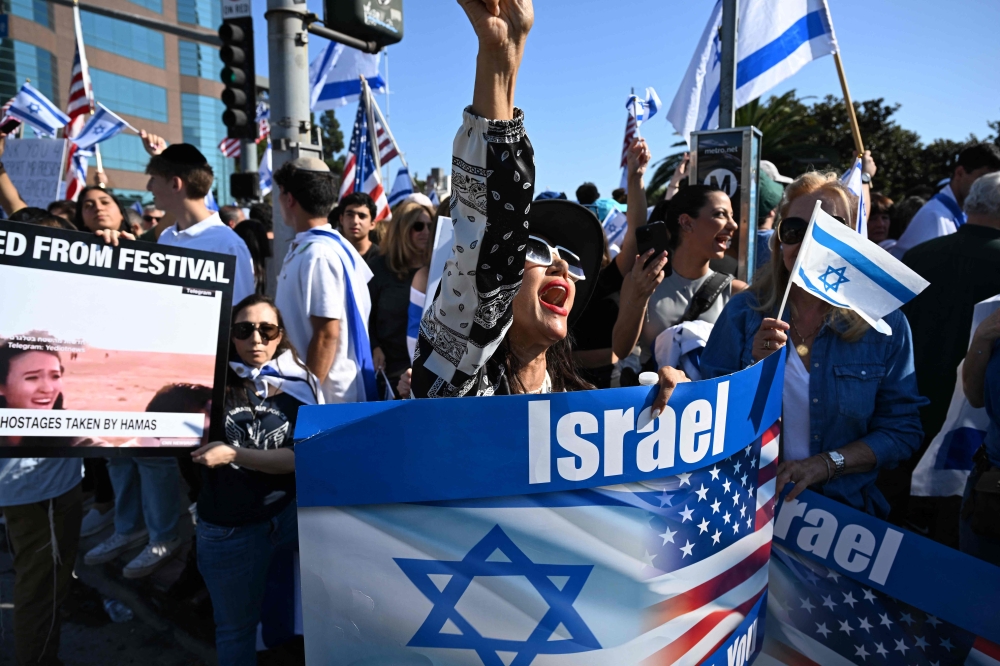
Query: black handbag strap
x=706 y=295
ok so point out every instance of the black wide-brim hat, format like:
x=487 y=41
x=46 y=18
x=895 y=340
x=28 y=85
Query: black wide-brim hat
x=572 y=226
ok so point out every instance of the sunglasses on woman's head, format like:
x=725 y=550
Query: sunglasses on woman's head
x=792 y=230
x=541 y=253
x=245 y=329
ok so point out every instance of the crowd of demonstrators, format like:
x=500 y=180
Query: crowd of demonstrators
x=405 y=251
x=943 y=215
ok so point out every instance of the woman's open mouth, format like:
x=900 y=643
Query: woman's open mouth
x=553 y=296
x=724 y=240
x=42 y=401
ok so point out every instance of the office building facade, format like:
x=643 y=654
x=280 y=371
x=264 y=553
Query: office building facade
x=156 y=81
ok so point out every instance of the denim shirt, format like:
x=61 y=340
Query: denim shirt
x=864 y=390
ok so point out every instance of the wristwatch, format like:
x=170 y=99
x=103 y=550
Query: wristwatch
x=866 y=178
x=838 y=463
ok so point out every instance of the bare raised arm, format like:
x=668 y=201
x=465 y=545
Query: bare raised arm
x=502 y=27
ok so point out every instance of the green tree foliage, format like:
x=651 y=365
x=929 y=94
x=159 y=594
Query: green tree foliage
x=332 y=140
x=799 y=136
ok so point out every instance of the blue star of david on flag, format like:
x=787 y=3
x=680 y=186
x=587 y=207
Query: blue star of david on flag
x=34 y=107
x=833 y=278
x=560 y=601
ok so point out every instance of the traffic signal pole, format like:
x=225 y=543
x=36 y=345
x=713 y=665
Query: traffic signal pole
x=288 y=71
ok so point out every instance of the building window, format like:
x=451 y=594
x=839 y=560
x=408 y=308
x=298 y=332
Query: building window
x=201 y=122
x=124 y=152
x=206 y=13
x=199 y=60
x=124 y=95
x=20 y=61
x=152 y=5
x=121 y=38
x=38 y=11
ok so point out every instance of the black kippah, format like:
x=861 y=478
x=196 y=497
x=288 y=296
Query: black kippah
x=184 y=154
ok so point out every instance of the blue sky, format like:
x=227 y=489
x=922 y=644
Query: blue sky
x=936 y=59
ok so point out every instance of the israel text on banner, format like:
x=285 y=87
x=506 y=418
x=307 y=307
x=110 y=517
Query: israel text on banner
x=847 y=588
x=560 y=529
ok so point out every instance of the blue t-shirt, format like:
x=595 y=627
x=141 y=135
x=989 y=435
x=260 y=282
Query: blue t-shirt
x=30 y=480
x=992 y=402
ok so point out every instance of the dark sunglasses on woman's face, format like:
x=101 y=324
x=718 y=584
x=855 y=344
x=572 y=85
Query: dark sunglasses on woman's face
x=792 y=230
x=245 y=329
x=419 y=226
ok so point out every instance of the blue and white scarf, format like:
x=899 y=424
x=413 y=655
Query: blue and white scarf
x=282 y=372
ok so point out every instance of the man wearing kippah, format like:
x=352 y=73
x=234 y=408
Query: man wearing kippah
x=147 y=490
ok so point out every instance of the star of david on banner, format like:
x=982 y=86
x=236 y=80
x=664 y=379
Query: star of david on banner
x=833 y=278
x=559 y=598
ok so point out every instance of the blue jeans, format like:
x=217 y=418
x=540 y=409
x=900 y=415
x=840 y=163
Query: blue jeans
x=234 y=563
x=147 y=493
x=969 y=542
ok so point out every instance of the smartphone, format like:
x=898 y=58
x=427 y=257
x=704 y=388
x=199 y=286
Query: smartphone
x=654 y=237
x=9 y=126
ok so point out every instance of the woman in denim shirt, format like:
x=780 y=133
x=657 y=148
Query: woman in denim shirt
x=850 y=393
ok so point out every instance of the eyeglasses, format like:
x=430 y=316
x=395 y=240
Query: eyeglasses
x=541 y=253
x=150 y=218
x=791 y=230
x=245 y=329
x=418 y=226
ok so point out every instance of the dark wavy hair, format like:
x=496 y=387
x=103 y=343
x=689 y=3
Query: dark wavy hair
x=78 y=218
x=559 y=364
x=233 y=380
x=8 y=354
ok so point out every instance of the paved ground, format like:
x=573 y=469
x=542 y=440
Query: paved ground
x=172 y=624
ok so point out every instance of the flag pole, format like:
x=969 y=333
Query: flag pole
x=385 y=126
x=803 y=248
x=851 y=116
x=372 y=135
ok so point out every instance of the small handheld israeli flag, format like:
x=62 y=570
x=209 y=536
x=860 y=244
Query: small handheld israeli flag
x=266 y=173
x=845 y=269
x=852 y=178
x=402 y=187
x=103 y=125
x=32 y=107
x=643 y=109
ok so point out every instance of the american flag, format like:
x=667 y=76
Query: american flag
x=360 y=174
x=714 y=520
x=78 y=108
x=263 y=121
x=817 y=616
x=230 y=147
x=630 y=129
x=386 y=148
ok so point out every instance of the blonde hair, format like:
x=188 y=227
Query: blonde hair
x=769 y=286
x=397 y=247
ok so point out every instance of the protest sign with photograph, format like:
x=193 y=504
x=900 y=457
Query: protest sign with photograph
x=109 y=350
x=35 y=166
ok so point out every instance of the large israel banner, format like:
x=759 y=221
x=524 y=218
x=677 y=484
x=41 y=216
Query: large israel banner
x=549 y=529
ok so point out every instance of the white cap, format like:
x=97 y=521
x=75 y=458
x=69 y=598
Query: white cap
x=648 y=379
x=772 y=172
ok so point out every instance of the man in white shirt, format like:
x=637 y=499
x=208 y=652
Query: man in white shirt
x=322 y=290
x=943 y=215
x=180 y=178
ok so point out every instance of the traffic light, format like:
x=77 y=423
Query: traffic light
x=380 y=21
x=240 y=94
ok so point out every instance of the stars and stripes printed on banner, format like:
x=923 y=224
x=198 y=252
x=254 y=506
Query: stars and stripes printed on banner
x=230 y=147
x=818 y=617
x=360 y=174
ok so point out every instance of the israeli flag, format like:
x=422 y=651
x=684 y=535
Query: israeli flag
x=103 y=125
x=266 y=173
x=334 y=77
x=643 y=110
x=852 y=179
x=845 y=269
x=776 y=38
x=615 y=225
x=414 y=313
x=32 y=107
x=402 y=187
